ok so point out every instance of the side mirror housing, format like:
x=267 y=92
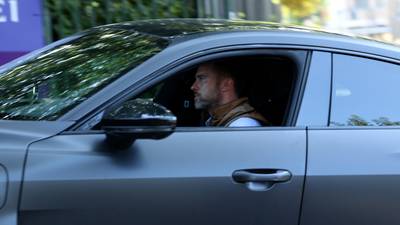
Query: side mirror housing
x=137 y=119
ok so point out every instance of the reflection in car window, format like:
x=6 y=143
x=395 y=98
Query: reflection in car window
x=47 y=85
x=365 y=92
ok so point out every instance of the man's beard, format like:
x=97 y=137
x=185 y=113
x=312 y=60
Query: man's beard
x=208 y=103
x=201 y=104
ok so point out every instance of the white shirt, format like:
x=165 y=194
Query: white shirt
x=245 y=122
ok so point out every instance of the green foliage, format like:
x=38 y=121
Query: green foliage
x=301 y=8
x=356 y=120
x=67 y=17
x=384 y=121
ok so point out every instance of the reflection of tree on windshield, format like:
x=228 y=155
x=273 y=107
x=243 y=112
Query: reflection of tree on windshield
x=356 y=120
x=50 y=84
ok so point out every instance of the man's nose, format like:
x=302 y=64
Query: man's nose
x=194 y=86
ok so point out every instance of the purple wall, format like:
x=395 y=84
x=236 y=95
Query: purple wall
x=21 y=28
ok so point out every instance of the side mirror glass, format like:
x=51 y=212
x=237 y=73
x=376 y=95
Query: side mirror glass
x=137 y=119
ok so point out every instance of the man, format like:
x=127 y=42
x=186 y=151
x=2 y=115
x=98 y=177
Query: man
x=217 y=90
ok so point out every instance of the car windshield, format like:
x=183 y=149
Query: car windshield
x=47 y=84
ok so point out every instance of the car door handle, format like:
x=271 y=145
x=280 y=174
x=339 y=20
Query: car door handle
x=261 y=179
x=242 y=176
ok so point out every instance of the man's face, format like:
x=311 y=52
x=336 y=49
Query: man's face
x=205 y=87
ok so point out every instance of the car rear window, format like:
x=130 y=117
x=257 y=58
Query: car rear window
x=365 y=92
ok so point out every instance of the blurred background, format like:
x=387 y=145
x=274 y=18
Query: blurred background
x=26 y=25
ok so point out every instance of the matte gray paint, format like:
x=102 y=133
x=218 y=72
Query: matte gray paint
x=183 y=179
x=314 y=109
x=15 y=136
x=353 y=177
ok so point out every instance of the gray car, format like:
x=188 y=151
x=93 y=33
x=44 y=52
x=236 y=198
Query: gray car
x=99 y=128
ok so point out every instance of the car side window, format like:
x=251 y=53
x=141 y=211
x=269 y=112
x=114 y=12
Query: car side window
x=365 y=92
x=268 y=84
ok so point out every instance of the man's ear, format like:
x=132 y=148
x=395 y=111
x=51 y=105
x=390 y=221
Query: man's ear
x=227 y=84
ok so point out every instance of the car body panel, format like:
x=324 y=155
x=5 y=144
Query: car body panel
x=353 y=165
x=183 y=179
x=15 y=137
x=353 y=176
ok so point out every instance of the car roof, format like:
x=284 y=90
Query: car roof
x=177 y=28
x=183 y=30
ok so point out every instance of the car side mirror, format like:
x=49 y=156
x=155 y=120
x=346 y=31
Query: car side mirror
x=137 y=119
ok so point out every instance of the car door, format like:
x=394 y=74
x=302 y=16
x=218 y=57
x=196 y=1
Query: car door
x=353 y=167
x=197 y=175
x=183 y=179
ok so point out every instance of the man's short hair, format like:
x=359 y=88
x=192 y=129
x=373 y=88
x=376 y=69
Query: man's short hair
x=231 y=68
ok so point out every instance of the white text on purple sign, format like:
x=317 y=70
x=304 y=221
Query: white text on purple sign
x=12 y=7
